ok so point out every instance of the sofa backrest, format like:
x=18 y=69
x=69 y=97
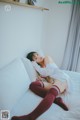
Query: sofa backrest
x=14 y=82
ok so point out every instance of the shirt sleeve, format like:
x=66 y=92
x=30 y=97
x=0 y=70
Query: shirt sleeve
x=47 y=71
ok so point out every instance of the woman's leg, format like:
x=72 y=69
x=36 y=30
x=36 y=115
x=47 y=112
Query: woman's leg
x=42 y=107
x=38 y=89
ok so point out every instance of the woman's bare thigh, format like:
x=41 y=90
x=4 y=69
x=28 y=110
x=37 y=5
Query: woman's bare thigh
x=47 y=85
x=61 y=85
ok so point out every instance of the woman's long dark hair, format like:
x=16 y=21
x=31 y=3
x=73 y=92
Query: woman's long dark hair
x=30 y=55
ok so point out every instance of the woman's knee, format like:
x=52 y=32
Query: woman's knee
x=33 y=85
x=53 y=91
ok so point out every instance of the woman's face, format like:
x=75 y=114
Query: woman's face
x=37 y=58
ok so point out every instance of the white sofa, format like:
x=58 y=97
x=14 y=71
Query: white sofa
x=16 y=97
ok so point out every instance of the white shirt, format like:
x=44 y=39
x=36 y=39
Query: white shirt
x=53 y=71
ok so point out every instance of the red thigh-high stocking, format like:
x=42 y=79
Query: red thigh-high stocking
x=38 y=89
x=41 y=108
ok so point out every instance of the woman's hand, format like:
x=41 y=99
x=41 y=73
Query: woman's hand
x=47 y=60
x=47 y=85
x=49 y=79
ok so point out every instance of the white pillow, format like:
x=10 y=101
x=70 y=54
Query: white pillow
x=28 y=65
x=30 y=69
x=14 y=82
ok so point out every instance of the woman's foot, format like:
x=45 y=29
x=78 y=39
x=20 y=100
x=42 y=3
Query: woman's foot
x=15 y=118
x=60 y=102
x=25 y=117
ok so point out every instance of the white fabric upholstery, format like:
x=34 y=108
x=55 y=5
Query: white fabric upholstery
x=14 y=82
x=29 y=68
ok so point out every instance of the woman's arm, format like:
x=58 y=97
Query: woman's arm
x=42 y=71
x=47 y=71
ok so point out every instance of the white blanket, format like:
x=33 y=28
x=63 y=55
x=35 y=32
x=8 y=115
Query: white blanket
x=72 y=99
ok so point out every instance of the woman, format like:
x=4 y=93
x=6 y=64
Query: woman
x=47 y=85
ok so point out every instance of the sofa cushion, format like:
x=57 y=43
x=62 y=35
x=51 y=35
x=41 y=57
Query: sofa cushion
x=14 y=82
x=26 y=104
x=29 y=102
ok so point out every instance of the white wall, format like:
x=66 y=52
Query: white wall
x=24 y=28
x=56 y=23
x=20 y=30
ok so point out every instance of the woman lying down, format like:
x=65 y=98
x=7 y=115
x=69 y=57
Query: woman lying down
x=51 y=82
